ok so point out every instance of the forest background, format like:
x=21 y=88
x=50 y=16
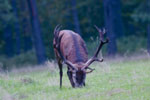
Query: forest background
x=26 y=27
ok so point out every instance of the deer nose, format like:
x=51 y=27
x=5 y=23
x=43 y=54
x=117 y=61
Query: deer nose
x=79 y=85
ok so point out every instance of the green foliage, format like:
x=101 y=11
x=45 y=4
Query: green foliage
x=141 y=13
x=131 y=44
x=90 y=12
x=6 y=14
x=112 y=80
x=59 y=12
x=92 y=45
x=17 y=61
x=127 y=45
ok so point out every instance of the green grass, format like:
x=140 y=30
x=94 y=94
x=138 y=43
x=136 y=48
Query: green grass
x=120 y=79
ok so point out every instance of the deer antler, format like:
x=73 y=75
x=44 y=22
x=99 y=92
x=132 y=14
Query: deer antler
x=57 y=46
x=91 y=70
x=102 y=42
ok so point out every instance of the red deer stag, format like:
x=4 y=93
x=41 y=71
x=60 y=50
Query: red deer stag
x=70 y=49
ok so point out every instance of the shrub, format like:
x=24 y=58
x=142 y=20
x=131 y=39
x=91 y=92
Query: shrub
x=131 y=44
x=28 y=58
x=125 y=45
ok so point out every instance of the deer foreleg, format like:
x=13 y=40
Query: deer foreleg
x=60 y=73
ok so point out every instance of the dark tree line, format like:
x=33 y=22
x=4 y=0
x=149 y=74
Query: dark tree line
x=37 y=38
x=28 y=24
x=8 y=41
x=25 y=20
x=16 y=26
x=75 y=16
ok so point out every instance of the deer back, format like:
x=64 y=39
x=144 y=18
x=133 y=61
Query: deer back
x=73 y=47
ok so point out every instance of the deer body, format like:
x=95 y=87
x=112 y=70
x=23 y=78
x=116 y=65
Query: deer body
x=73 y=47
x=70 y=48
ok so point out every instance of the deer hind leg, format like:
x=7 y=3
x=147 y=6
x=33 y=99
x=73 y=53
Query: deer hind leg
x=60 y=66
x=60 y=72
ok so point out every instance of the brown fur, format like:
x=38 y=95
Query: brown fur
x=68 y=47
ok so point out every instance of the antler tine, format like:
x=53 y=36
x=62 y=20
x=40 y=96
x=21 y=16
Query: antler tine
x=56 y=29
x=91 y=70
x=99 y=30
x=56 y=34
x=104 y=30
x=101 y=33
x=101 y=36
x=102 y=42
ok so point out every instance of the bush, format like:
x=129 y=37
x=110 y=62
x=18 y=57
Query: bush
x=126 y=45
x=131 y=44
x=24 y=59
x=92 y=45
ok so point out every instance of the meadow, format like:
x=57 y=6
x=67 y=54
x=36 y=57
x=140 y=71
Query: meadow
x=123 y=78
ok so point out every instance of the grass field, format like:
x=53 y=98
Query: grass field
x=117 y=79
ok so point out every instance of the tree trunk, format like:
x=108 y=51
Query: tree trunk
x=37 y=39
x=75 y=17
x=26 y=26
x=8 y=41
x=16 y=26
x=148 y=38
x=118 y=24
x=68 y=15
x=110 y=11
x=148 y=26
